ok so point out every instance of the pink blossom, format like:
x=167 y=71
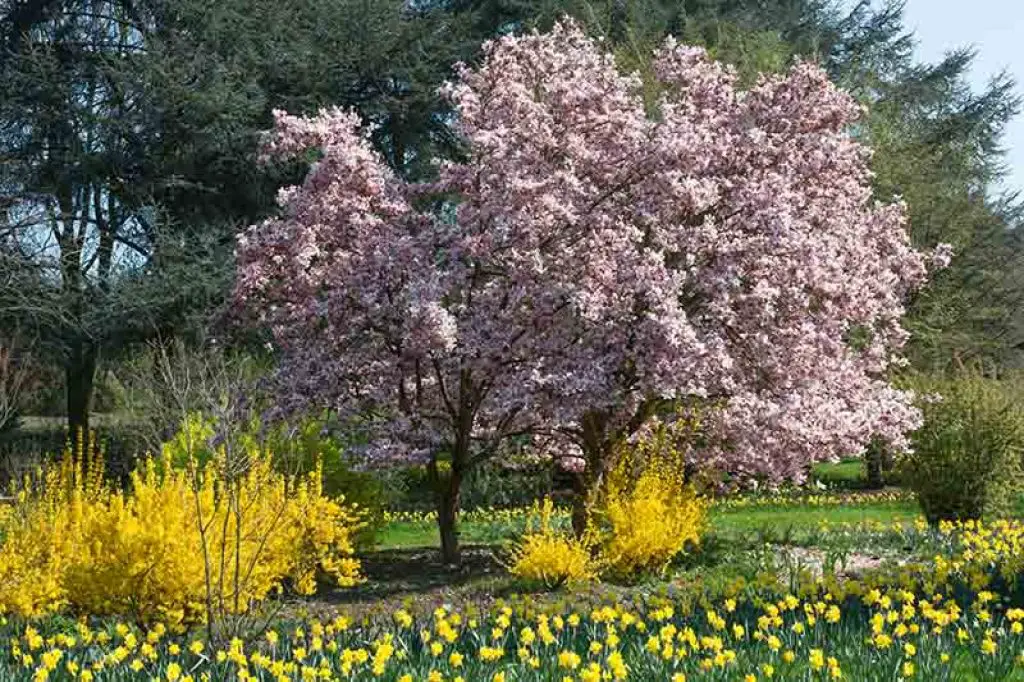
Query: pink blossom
x=591 y=261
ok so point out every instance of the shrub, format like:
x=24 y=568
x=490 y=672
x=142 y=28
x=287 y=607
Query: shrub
x=645 y=515
x=966 y=459
x=299 y=449
x=551 y=556
x=181 y=544
x=647 y=512
x=317 y=441
x=41 y=440
x=508 y=484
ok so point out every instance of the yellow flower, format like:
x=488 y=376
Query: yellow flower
x=90 y=531
x=455 y=659
x=196 y=647
x=568 y=659
x=173 y=671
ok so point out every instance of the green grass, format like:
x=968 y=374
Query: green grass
x=849 y=473
x=408 y=534
x=809 y=517
x=772 y=520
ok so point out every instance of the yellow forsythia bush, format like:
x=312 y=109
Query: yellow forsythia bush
x=549 y=556
x=648 y=520
x=178 y=544
x=641 y=518
x=646 y=511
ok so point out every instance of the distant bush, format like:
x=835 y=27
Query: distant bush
x=312 y=444
x=488 y=485
x=38 y=442
x=967 y=457
x=317 y=442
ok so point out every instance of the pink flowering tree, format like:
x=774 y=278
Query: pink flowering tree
x=595 y=259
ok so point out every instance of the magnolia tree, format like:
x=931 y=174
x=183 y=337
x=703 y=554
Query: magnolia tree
x=595 y=258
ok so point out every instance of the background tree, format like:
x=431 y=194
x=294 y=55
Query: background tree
x=88 y=162
x=127 y=138
x=938 y=147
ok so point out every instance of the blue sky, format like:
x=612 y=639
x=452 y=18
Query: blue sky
x=995 y=28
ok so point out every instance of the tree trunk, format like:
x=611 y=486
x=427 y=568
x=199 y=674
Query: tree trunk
x=579 y=504
x=597 y=450
x=79 y=373
x=447 y=518
x=877 y=462
x=873 y=462
x=447 y=490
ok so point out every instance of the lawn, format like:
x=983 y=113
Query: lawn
x=745 y=536
x=771 y=520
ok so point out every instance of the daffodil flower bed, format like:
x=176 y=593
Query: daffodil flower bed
x=888 y=635
x=957 y=617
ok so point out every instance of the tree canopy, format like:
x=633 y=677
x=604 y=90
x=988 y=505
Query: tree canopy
x=128 y=133
x=591 y=262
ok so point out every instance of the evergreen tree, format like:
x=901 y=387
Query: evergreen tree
x=128 y=133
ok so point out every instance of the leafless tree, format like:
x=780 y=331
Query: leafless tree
x=168 y=384
x=15 y=372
